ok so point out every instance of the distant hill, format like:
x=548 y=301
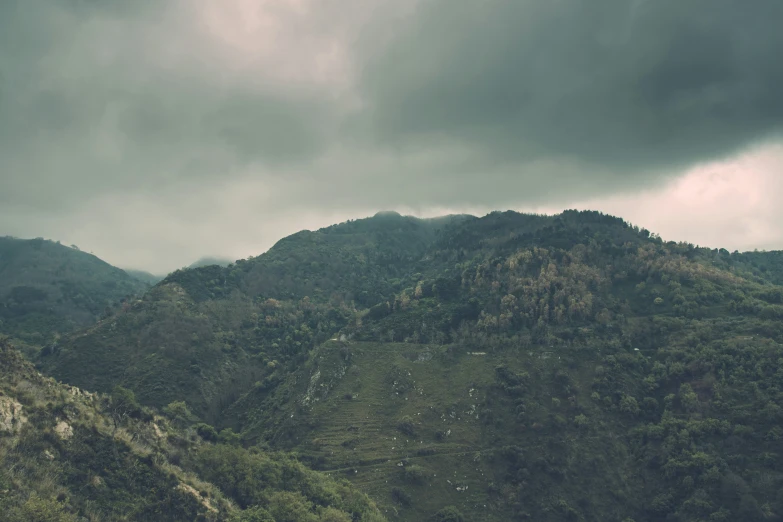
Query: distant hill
x=48 y=288
x=209 y=261
x=144 y=277
x=508 y=367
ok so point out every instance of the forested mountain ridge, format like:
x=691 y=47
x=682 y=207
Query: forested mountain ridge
x=207 y=334
x=357 y=261
x=48 y=288
x=568 y=367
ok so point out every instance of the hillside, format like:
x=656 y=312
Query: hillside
x=514 y=367
x=68 y=454
x=47 y=288
x=207 y=335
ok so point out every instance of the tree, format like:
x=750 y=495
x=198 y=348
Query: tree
x=206 y=432
x=123 y=404
x=629 y=405
x=179 y=412
x=688 y=398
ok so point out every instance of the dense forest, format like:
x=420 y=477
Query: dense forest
x=509 y=367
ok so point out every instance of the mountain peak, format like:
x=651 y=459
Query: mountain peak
x=387 y=214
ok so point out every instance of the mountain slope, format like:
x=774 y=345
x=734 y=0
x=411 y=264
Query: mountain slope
x=597 y=374
x=48 y=288
x=66 y=454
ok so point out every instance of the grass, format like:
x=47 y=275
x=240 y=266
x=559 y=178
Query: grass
x=360 y=439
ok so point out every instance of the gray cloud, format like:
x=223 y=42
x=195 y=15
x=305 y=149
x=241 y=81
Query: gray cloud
x=101 y=96
x=161 y=131
x=616 y=83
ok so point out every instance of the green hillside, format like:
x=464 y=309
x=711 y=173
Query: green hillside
x=47 y=288
x=510 y=367
x=68 y=455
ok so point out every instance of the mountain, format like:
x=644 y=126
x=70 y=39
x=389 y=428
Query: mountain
x=207 y=335
x=47 y=288
x=509 y=367
x=67 y=454
x=208 y=261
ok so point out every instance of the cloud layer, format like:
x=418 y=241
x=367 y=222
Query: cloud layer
x=164 y=129
x=628 y=84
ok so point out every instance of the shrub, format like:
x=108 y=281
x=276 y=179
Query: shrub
x=414 y=473
x=229 y=437
x=179 y=412
x=406 y=426
x=448 y=514
x=206 y=432
x=38 y=509
x=401 y=497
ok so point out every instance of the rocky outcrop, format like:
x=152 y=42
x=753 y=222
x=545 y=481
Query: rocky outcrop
x=11 y=415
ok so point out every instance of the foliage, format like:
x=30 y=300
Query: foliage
x=37 y=509
x=280 y=485
x=66 y=454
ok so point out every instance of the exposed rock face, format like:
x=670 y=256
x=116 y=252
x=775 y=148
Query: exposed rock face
x=64 y=430
x=11 y=416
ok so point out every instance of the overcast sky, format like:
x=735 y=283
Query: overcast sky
x=154 y=132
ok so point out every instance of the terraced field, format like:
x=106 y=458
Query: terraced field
x=409 y=424
x=393 y=422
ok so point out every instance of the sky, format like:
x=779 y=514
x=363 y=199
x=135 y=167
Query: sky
x=155 y=132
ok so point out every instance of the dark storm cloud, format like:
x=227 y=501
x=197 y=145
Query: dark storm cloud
x=622 y=84
x=104 y=96
x=165 y=130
